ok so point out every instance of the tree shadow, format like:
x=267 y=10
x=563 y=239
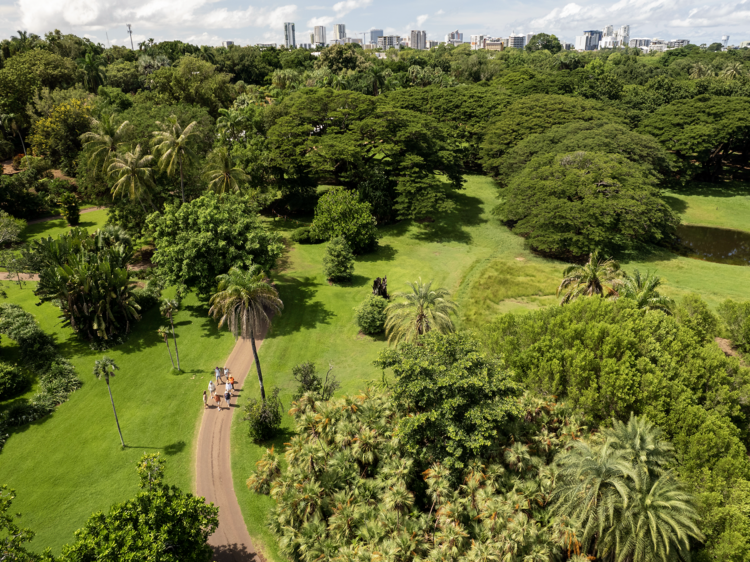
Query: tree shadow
x=715 y=189
x=302 y=310
x=451 y=226
x=174 y=448
x=234 y=553
x=678 y=205
x=385 y=252
x=204 y=321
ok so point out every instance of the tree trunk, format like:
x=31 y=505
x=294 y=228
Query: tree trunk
x=115 y=411
x=257 y=366
x=22 y=144
x=174 y=338
x=166 y=340
x=182 y=181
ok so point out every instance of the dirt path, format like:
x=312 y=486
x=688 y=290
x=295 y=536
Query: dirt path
x=5 y=276
x=231 y=541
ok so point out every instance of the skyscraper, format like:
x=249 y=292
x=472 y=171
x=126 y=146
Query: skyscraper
x=418 y=40
x=290 y=41
x=608 y=31
x=589 y=41
x=319 y=35
x=339 y=31
x=454 y=38
x=516 y=41
x=372 y=36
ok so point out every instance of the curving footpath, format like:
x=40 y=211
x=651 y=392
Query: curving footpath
x=231 y=541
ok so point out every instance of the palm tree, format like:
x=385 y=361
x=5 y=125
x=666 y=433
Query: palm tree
x=12 y=121
x=700 y=70
x=732 y=71
x=643 y=291
x=105 y=138
x=170 y=307
x=173 y=142
x=106 y=368
x=285 y=79
x=93 y=75
x=230 y=124
x=245 y=301
x=221 y=175
x=421 y=311
x=589 y=279
x=134 y=173
x=164 y=333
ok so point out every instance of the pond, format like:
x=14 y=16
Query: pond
x=720 y=245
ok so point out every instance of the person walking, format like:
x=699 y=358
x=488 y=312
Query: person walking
x=218 y=375
x=217 y=399
x=228 y=388
x=205 y=400
x=211 y=388
x=227 y=398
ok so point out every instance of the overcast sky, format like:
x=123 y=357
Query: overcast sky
x=212 y=21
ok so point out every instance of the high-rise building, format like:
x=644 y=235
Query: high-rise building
x=608 y=31
x=389 y=42
x=227 y=44
x=528 y=38
x=339 y=31
x=372 y=36
x=589 y=41
x=678 y=43
x=639 y=42
x=454 y=38
x=418 y=40
x=319 y=35
x=290 y=41
x=433 y=44
x=516 y=41
x=477 y=42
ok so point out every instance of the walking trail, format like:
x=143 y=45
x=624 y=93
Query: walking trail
x=231 y=541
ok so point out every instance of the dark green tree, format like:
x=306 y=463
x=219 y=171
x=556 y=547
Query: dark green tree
x=544 y=42
x=338 y=263
x=340 y=213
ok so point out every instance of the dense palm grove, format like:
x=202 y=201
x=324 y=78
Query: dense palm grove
x=610 y=428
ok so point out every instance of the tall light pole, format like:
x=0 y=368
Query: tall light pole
x=131 y=38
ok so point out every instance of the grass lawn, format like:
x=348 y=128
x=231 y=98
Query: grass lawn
x=70 y=464
x=725 y=205
x=90 y=221
x=489 y=270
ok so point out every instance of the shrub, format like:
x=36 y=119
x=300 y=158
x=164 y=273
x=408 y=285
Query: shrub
x=148 y=297
x=693 y=312
x=338 y=262
x=13 y=381
x=268 y=469
x=16 y=162
x=340 y=213
x=311 y=383
x=303 y=235
x=69 y=206
x=371 y=314
x=736 y=318
x=264 y=416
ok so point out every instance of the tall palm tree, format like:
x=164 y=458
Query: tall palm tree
x=230 y=124
x=105 y=138
x=134 y=172
x=93 y=74
x=422 y=310
x=105 y=368
x=173 y=143
x=733 y=71
x=643 y=290
x=589 y=279
x=245 y=302
x=12 y=121
x=168 y=308
x=222 y=176
x=700 y=70
x=164 y=333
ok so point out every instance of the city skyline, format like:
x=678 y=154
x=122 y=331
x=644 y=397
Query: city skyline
x=212 y=21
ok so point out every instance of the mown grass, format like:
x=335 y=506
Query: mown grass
x=489 y=270
x=725 y=204
x=54 y=228
x=70 y=464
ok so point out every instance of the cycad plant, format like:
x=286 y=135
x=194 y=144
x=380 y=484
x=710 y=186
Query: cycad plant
x=420 y=311
x=597 y=277
x=245 y=302
x=134 y=174
x=105 y=368
x=221 y=174
x=172 y=143
x=643 y=290
x=105 y=138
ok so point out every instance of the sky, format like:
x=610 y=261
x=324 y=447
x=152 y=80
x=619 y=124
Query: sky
x=209 y=22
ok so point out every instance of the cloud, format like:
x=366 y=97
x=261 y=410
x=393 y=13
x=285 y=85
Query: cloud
x=421 y=19
x=439 y=13
x=340 y=9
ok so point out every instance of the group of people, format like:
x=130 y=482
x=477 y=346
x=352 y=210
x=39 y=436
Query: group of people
x=216 y=396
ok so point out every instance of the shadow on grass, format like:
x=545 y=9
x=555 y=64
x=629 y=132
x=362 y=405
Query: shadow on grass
x=301 y=311
x=715 y=189
x=468 y=212
x=234 y=553
x=169 y=450
x=385 y=252
x=677 y=204
x=204 y=321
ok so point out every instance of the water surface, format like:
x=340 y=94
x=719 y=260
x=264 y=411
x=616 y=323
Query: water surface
x=720 y=245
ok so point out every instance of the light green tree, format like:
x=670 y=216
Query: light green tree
x=421 y=310
x=643 y=290
x=173 y=144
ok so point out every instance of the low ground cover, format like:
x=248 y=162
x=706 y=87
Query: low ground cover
x=724 y=205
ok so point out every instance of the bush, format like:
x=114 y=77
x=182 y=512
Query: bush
x=340 y=213
x=736 y=318
x=693 y=312
x=303 y=235
x=264 y=416
x=16 y=163
x=338 y=262
x=311 y=383
x=148 y=297
x=69 y=206
x=13 y=381
x=269 y=469
x=371 y=314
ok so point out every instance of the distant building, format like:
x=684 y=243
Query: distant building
x=346 y=40
x=454 y=38
x=266 y=45
x=516 y=41
x=640 y=42
x=609 y=42
x=306 y=46
x=495 y=43
x=657 y=46
x=372 y=36
x=608 y=31
x=568 y=46
x=432 y=44
x=389 y=42
x=290 y=41
x=528 y=38
x=339 y=31
x=477 y=42
x=745 y=45
x=623 y=34
x=418 y=40
x=227 y=44
x=319 y=35
x=589 y=41
x=678 y=43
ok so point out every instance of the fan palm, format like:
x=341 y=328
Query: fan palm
x=173 y=143
x=221 y=175
x=134 y=173
x=642 y=443
x=642 y=289
x=105 y=139
x=168 y=308
x=589 y=279
x=164 y=333
x=245 y=302
x=105 y=368
x=421 y=310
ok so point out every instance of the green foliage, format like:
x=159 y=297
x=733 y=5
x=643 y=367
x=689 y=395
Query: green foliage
x=371 y=315
x=14 y=537
x=338 y=263
x=340 y=213
x=192 y=81
x=263 y=416
x=693 y=312
x=123 y=74
x=422 y=310
x=16 y=195
x=460 y=400
x=204 y=238
x=161 y=522
x=544 y=42
x=268 y=469
x=303 y=235
x=590 y=279
x=338 y=58
x=736 y=318
x=57 y=136
x=311 y=383
x=69 y=205
x=13 y=381
x=572 y=204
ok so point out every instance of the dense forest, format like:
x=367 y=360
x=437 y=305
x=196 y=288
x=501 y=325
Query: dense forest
x=608 y=429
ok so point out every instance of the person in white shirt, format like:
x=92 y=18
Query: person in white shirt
x=211 y=387
x=228 y=388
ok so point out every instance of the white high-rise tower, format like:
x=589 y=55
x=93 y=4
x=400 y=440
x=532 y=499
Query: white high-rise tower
x=339 y=31
x=290 y=41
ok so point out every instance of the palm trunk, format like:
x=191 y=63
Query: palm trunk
x=115 y=411
x=22 y=144
x=174 y=338
x=142 y=205
x=166 y=340
x=182 y=181
x=257 y=366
